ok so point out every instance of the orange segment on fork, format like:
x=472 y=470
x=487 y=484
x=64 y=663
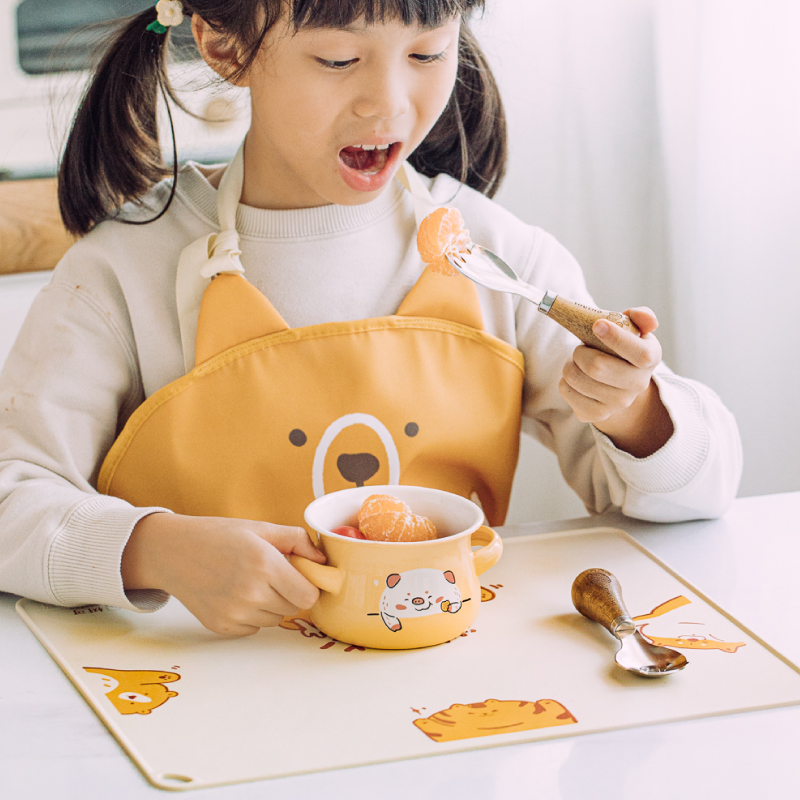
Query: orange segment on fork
x=441 y=233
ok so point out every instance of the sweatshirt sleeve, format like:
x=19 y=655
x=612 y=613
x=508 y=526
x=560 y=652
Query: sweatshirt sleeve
x=695 y=475
x=68 y=383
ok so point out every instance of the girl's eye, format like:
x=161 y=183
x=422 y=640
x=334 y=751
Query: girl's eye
x=336 y=64
x=429 y=59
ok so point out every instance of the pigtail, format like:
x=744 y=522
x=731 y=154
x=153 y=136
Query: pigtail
x=113 y=153
x=469 y=139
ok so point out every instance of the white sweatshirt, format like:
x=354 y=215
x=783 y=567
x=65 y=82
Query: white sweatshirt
x=104 y=335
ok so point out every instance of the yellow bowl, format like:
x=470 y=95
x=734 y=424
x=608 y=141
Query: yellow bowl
x=399 y=595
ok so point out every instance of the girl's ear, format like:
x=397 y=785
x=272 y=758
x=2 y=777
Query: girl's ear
x=220 y=52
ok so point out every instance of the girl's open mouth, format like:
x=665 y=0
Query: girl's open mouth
x=367 y=168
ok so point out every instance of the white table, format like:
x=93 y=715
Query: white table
x=53 y=746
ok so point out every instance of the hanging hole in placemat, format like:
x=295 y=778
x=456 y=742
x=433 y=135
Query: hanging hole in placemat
x=176 y=779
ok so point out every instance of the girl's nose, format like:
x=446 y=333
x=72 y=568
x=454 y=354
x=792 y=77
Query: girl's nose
x=383 y=97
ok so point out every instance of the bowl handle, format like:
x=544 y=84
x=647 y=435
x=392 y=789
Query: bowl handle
x=491 y=551
x=329 y=579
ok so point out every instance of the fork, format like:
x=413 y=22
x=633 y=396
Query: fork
x=488 y=269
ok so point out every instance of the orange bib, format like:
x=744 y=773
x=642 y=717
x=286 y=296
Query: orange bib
x=272 y=417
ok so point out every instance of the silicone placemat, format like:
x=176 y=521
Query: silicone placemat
x=193 y=709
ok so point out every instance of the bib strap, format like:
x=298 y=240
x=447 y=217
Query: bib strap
x=209 y=256
x=219 y=253
x=423 y=201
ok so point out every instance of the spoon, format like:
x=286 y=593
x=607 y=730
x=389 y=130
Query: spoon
x=488 y=269
x=596 y=593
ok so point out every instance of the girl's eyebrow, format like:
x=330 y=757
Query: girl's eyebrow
x=363 y=29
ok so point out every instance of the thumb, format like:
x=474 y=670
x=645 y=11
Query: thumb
x=289 y=539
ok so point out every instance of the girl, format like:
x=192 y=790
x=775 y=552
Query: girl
x=339 y=360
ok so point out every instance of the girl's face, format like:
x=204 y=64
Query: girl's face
x=336 y=110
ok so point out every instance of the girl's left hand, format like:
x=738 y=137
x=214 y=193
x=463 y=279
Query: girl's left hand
x=618 y=395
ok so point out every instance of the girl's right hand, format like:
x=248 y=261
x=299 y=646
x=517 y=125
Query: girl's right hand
x=232 y=574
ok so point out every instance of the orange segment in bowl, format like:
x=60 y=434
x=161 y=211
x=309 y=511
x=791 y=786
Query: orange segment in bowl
x=384 y=518
x=442 y=233
x=349 y=531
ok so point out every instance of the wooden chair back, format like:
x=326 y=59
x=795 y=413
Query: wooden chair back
x=32 y=236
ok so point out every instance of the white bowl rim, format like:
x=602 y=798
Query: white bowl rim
x=366 y=491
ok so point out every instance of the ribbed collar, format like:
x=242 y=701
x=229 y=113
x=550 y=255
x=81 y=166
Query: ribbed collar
x=301 y=223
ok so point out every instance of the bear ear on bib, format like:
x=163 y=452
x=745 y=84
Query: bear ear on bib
x=447 y=297
x=233 y=311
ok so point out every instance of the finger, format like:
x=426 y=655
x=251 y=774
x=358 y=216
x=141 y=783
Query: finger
x=235 y=631
x=588 y=387
x=644 y=318
x=290 y=539
x=228 y=627
x=593 y=373
x=245 y=620
x=289 y=583
x=585 y=408
x=272 y=601
x=643 y=352
x=263 y=618
x=610 y=398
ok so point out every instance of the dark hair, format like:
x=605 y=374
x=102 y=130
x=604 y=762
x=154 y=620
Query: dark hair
x=113 y=155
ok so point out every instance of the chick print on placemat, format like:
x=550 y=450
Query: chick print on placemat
x=135 y=691
x=488 y=594
x=492 y=717
x=683 y=630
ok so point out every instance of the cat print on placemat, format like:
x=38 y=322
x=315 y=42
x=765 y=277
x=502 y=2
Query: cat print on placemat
x=684 y=630
x=135 y=691
x=492 y=717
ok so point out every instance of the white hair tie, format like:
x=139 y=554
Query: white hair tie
x=170 y=13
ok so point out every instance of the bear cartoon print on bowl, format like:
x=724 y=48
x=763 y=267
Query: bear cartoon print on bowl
x=399 y=595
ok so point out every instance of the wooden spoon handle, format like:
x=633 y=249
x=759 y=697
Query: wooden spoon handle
x=578 y=319
x=596 y=593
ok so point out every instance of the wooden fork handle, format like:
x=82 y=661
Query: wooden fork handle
x=578 y=319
